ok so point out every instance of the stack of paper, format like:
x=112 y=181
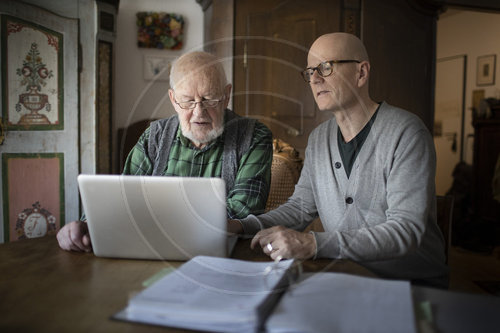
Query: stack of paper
x=212 y=294
x=228 y=295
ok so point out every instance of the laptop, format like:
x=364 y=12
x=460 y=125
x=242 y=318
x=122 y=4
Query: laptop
x=160 y=218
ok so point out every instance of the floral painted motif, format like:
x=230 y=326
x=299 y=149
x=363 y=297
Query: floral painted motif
x=34 y=78
x=160 y=30
x=34 y=74
x=35 y=222
x=34 y=71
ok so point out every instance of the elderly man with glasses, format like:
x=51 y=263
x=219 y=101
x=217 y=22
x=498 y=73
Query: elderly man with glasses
x=204 y=139
x=368 y=174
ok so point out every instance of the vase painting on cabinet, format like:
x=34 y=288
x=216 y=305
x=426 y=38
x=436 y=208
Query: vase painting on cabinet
x=32 y=98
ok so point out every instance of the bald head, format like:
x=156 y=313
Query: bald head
x=198 y=66
x=337 y=46
x=344 y=86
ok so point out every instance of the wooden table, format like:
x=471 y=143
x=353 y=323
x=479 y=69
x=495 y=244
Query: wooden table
x=46 y=289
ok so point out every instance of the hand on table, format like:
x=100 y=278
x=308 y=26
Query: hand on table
x=74 y=236
x=285 y=242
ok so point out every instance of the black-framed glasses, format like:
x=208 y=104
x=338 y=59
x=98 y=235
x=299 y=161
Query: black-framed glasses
x=205 y=103
x=324 y=69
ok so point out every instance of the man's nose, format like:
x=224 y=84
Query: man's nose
x=315 y=77
x=198 y=109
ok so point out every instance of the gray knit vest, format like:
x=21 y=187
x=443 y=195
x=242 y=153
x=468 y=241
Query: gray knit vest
x=238 y=133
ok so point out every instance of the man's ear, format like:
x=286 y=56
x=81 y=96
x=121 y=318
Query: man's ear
x=227 y=93
x=171 y=95
x=364 y=73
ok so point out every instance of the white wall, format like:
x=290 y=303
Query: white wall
x=473 y=34
x=135 y=97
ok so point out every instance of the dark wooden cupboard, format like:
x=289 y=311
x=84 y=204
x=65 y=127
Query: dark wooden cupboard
x=486 y=153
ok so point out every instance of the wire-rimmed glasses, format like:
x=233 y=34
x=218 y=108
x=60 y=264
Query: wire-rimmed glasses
x=205 y=103
x=324 y=69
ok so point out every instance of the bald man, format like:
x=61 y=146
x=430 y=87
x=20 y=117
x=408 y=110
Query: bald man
x=204 y=139
x=368 y=174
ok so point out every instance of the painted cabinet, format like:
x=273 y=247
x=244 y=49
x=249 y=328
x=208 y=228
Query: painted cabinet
x=39 y=98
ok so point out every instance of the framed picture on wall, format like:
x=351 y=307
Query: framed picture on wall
x=486 y=70
x=160 y=30
x=157 y=68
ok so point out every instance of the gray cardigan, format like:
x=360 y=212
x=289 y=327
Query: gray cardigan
x=384 y=215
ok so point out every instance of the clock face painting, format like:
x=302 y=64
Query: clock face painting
x=35 y=222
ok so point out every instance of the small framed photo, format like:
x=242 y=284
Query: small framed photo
x=486 y=70
x=157 y=68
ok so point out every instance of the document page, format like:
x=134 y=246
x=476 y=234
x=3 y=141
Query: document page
x=209 y=293
x=337 y=302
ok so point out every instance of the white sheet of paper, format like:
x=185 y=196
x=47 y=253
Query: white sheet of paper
x=337 y=302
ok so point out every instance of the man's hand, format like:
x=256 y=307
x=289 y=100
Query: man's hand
x=74 y=236
x=285 y=242
x=234 y=227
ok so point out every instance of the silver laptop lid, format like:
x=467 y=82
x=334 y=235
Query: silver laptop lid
x=145 y=217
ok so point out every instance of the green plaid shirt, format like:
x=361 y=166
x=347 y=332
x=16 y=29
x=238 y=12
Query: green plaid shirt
x=252 y=181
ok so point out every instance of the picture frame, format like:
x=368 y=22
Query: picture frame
x=157 y=68
x=486 y=67
x=160 y=30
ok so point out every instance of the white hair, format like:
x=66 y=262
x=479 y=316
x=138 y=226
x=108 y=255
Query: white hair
x=190 y=63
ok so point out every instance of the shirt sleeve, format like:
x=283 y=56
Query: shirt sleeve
x=138 y=162
x=253 y=179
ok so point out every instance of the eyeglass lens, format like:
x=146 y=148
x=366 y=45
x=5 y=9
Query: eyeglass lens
x=206 y=103
x=324 y=69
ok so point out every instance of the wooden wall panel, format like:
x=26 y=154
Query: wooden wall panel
x=400 y=40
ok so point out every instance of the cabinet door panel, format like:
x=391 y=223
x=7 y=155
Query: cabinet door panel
x=271 y=46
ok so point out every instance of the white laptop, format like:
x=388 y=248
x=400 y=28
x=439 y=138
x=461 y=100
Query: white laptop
x=163 y=218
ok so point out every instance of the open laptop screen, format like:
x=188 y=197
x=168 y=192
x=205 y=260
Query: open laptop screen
x=147 y=217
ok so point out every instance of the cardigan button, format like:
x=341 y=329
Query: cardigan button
x=338 y=165
x=349 y=200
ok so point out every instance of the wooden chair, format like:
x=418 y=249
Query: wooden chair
x=127 y=138
x=285 y=172
x=444 y=208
